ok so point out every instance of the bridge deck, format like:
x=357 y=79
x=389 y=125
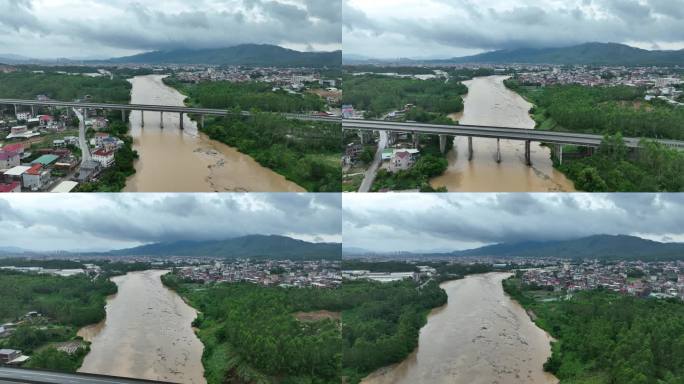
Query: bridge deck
x=31 y=376
x=590 y=140
x=156 y=108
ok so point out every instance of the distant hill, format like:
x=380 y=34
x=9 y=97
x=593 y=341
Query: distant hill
x=588 y=53
x=592 y=247
x=245 y=54
x=255 y=246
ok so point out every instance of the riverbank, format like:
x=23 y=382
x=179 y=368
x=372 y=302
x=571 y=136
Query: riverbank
x=50 y=335
x=612 y=111
x=480 y=336
x=607 y=337
x=306 y=153
x=256 y=334
x=146 y=336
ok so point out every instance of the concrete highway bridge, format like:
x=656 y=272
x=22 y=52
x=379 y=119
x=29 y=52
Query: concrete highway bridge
x=152 y=108
x=30 y=376
x=470 y=131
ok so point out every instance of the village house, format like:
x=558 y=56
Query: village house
x=36 y=178
x=104 y=157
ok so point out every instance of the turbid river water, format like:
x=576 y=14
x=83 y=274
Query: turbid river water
x=489 y=102
x=175 y=160
x=147 y=334
x=480 y=336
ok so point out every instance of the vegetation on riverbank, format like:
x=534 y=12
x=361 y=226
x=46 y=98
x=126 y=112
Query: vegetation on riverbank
x=604 y=337
x=613 y=112
x=250 y=332
x=305 y=152
x=381 y=321
x=377 y=94
x=28 y=85
x=64 y=303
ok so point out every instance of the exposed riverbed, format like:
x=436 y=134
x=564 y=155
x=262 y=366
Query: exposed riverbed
x=175 y=160
x=480 y=336
x=489 y=102
x=147 y=334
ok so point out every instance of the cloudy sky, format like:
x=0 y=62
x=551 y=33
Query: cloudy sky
x=451 y=28
x=110 y=28
x=112 y=221
x=425 y=222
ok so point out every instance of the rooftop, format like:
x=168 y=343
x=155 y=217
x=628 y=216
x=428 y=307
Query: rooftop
x=45 y=159
x=17 y=171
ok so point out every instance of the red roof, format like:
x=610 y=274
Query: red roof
x=403 y=154
x=5 y=188
x=46 y=118
x=35 y=169
x=18 y=147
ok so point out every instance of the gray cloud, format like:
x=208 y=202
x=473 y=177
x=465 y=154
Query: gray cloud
x=424 y=222
x=461 y=27
x=114 y=220
x=112 y=28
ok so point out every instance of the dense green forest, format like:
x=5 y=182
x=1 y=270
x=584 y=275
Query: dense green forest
x=246 y=96
x=615 y=112
x=113 y=179
x=250 y=332
x=377 y=95
x=65 y=304
x=381 y=322
x=28 y=85
x=431 y=163
x=605 y=338
x=303 y=151
x=653 y=168
x=76 y=300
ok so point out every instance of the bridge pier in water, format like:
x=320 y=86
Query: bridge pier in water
x=442 y=143
x=161 y=119
x=142 y=118
x=181 y=121
x=470 y=148
x=498 y=150
x=528 y=155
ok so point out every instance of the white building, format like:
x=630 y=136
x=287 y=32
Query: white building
x=104 y=157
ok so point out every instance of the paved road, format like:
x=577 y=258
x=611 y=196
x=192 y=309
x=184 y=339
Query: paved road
x=496 y=132
x=372 y=171
x=85 y=150
x=17 y=375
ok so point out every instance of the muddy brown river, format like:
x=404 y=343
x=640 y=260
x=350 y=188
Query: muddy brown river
x=175 y=160
x=480 y=336
x=489 y=102
x=147 y=334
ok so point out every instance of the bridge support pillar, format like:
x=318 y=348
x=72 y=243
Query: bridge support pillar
x=528 y=156
x=123 y=115
x=161 y=119
x=560 y=154
x=498 y=150
x=470 y=148
x=142 y=118
x=201 y=121
x=16 y=110
x=416 y=140
x=181 y=121
x=442 y=143
x=33 y=111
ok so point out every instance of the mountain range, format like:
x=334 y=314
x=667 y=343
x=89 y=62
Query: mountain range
x=252 y=246
x=603 y=247
x=256 y=246
x=587 y=54
x=244 y=54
